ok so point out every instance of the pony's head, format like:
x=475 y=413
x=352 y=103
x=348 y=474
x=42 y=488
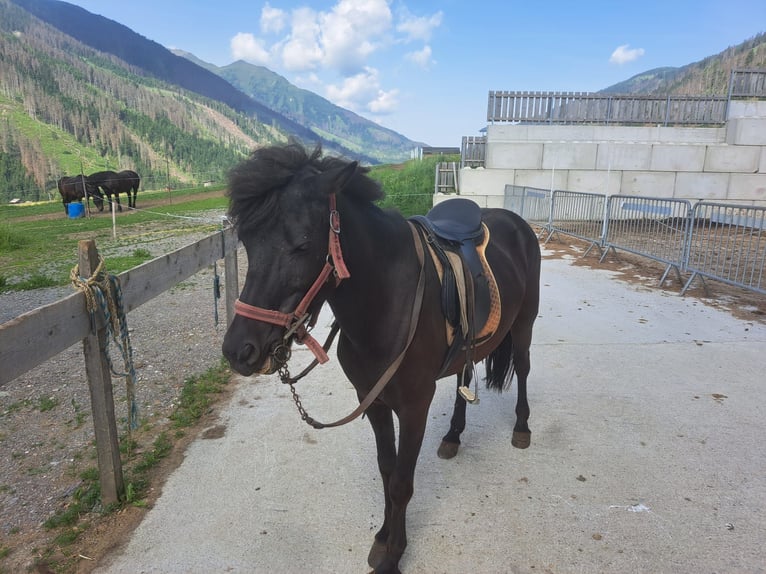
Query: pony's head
x=281 y=202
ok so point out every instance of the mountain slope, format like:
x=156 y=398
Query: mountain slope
x=709 y=76
x=67 y=107
x=315 y=112
x=113 y=38
x=108 y=36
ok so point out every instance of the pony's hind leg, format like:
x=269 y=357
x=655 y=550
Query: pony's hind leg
x=451 y=441
x=522 y=339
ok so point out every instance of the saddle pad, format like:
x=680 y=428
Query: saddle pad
x=493 y=320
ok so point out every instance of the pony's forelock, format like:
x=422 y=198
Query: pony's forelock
x=254 y=182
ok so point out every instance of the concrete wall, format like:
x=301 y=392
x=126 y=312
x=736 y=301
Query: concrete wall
x=724 y=163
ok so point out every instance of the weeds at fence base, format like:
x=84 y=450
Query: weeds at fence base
x=82 y=527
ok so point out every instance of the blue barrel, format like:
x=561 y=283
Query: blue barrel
x=75 y=210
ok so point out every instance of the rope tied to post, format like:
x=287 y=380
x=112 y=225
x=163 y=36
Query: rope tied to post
x=102 y=291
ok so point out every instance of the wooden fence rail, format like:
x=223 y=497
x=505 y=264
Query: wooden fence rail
x=589 y=107
x=34 y=337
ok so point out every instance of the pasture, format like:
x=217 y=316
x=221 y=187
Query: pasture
x=38 y=243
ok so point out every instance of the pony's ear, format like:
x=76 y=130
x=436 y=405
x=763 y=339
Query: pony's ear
x=335 y=179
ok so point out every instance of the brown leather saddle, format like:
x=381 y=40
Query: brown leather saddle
x=454 y=228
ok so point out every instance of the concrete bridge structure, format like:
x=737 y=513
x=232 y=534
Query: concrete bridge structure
x=723 y=162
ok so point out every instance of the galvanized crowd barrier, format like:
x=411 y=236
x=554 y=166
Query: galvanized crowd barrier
x=727 y=243
x=579 y=214
x=721 y=241
x=533 y=204
x=652 y=227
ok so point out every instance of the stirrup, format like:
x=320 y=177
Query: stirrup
x=468 y=395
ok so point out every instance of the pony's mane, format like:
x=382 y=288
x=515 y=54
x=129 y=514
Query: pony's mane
x=255 y=182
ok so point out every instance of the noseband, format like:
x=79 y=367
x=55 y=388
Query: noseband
x=299 y=323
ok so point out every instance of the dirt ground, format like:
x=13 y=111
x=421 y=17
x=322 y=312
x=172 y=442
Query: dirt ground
x=105 y=533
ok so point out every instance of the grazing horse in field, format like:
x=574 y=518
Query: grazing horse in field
x=77 y=187
x=114 y=183
x=129 y=181
x=374 y=270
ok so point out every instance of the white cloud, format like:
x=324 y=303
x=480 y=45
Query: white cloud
x=418 y=27
x=362 y=92
x=301 y=50
x=352 y=31
x=332 y=49
x=273 y=20
x=385 y=102
x=421 y=58
x=624 y=54
x=245 y=46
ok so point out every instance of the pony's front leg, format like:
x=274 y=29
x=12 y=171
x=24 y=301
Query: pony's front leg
x=412 y=426
x=382 y=422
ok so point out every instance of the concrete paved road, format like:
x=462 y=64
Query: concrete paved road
x=648 y=426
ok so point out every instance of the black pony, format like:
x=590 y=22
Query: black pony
x=369 y=265
x=114 y=183
x=77 y=187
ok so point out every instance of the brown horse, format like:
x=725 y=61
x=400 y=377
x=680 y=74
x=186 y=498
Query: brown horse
x=386 y=298
x=77 y=187
x=114 y=183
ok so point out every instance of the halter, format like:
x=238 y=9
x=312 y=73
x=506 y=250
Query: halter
x=299 y=322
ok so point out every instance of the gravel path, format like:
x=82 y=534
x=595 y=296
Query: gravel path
x=46 y=434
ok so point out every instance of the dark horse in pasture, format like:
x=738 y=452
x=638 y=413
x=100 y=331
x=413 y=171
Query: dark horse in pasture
x=281 y=200
x=75 y=188
x=114 y=183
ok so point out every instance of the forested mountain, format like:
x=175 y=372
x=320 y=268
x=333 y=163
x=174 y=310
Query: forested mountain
x=706 y=77
x=308 y=109
x=116 y=100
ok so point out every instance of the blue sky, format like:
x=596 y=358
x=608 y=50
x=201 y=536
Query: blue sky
x=424 y=68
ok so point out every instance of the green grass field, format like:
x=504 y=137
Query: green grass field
x=38 y=243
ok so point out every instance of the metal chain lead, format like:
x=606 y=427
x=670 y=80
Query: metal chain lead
x=284 y=375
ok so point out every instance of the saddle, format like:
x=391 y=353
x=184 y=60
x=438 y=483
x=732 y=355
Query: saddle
x=457 y=237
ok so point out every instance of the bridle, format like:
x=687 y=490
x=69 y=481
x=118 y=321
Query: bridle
x=298 y=324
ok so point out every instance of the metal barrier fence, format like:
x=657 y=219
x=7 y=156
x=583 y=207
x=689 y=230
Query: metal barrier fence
x=534 y=205
x=656 y=228
x=580 y=215
x=728 y=243
x=721 y=241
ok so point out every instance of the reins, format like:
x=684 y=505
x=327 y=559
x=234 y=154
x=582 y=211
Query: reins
x=299 y=323
x=392 y=368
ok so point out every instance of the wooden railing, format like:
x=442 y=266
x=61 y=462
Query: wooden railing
x=747 y=84
x=593 y=108
x=473 y=151
x=34 y=337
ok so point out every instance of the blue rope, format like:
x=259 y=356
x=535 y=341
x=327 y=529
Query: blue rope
x=112 y=306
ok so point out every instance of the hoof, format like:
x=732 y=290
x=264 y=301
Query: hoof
x=521 y=439
x=377 y=554
x=448 y=450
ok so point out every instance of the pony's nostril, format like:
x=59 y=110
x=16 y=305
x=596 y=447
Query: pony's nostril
x=245 y=353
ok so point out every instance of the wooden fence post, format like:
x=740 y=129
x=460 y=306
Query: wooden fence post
x=101 y=396
x=231 y=277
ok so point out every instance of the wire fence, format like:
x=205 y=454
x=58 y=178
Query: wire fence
x=721 y=241
x=49 y=190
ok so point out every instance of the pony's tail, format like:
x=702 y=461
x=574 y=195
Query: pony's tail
x=500 y=367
